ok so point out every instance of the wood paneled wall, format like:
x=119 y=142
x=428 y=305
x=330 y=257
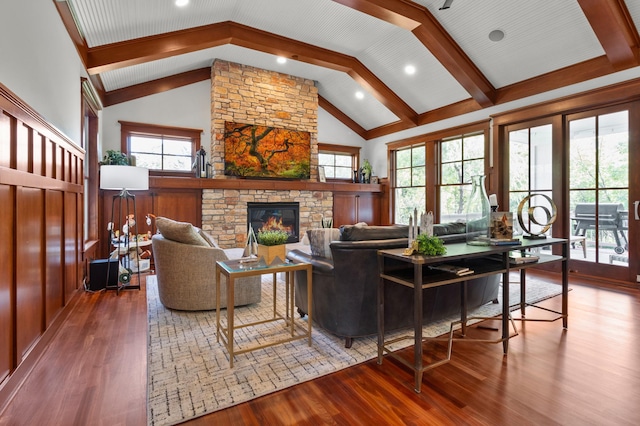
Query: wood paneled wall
x=41 y=223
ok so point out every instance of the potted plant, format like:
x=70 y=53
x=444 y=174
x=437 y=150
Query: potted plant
x=366 y=171
x=271 y=244
x=115 y=158
x=430 y=246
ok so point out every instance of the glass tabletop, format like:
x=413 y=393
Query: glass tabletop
x=255 y=263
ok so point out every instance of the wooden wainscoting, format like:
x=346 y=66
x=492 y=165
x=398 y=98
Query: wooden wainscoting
x=41 y=223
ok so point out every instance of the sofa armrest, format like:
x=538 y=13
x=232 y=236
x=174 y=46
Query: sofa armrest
x=319 y=264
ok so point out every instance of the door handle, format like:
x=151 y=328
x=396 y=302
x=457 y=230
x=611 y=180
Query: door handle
x=635 y=208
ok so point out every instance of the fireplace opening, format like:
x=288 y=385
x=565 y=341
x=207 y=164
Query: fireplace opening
x=272 y=216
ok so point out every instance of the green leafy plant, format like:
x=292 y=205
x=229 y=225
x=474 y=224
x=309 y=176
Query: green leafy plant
x=367 y=169
x=272 y=238
x=430 y=246
x=115 y=158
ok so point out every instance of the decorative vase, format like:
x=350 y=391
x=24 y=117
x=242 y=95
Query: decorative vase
x=478 y=213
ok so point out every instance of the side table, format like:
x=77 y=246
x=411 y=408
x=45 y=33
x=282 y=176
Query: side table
x=234 y=269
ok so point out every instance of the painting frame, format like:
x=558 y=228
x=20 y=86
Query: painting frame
x=266 y=152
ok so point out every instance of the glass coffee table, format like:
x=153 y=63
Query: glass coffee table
x=293 y=330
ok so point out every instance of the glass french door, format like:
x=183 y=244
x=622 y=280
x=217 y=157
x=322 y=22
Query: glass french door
x=584 y=162
x=531 y=172
x=598 y=166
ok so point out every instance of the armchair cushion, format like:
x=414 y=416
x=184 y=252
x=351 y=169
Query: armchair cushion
x=181 y=232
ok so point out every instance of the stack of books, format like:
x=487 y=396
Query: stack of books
x=504 y=241
x=454 y=269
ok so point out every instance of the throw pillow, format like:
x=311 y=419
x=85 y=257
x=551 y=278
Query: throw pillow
x=320 y=239
x=182 y=232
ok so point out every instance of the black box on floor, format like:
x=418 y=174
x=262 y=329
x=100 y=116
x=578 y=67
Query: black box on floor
x=98 y=274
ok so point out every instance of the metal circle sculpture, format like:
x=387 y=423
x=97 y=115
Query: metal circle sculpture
x=551 y=215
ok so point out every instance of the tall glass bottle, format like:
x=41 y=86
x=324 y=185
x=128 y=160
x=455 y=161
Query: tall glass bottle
x=478 y=213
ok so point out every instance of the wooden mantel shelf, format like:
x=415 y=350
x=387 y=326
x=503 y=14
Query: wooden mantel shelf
x=286 y=185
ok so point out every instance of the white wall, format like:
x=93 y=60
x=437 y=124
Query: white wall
x=331 y=130
x=188 y=106
x=40 y=63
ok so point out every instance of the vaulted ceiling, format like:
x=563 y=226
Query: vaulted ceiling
x=135 y=48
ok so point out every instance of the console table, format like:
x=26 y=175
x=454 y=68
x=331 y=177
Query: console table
x=413 y=271
x=234 y=269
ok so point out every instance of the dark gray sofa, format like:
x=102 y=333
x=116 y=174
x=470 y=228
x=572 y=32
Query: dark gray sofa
x=345 y=287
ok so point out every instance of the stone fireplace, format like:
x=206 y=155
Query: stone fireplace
x=275 y=216
x=246 y=94
x=224 y=212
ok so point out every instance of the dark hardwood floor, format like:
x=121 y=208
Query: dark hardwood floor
x=94 y=373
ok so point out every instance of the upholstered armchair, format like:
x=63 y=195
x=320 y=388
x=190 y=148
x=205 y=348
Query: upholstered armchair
x=186 y=273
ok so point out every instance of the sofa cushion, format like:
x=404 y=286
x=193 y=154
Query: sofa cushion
x=182 y=232
x=364 y=233
x=319 y=240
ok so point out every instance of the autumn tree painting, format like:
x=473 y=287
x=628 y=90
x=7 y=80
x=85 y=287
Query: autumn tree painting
x=266 y=152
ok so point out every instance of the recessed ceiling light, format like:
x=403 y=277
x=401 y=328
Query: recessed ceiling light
x=182 y=3
x=281 y=60
x=359 y=95
x=410 y=70
x=496 y=35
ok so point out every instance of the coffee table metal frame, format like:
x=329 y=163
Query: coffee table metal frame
x=234 y=269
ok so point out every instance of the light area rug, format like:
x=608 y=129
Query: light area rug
x=189 y=374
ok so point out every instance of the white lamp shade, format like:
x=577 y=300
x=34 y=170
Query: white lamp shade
x=124 y=177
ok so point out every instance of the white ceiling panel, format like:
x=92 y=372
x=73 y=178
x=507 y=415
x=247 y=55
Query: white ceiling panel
x=540 y=36
x=105 y=22
x=430 y=87
x=341 y=90
x=634 y=10
x=320 y=23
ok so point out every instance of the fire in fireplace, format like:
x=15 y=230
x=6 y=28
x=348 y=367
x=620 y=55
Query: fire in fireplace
x=271 y=216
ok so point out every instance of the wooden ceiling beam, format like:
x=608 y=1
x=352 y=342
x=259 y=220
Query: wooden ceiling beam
x=612 y=24
x=122 y=54
x=434 y=37
x=396 y=13
x=117 y=55
x=156 y=86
